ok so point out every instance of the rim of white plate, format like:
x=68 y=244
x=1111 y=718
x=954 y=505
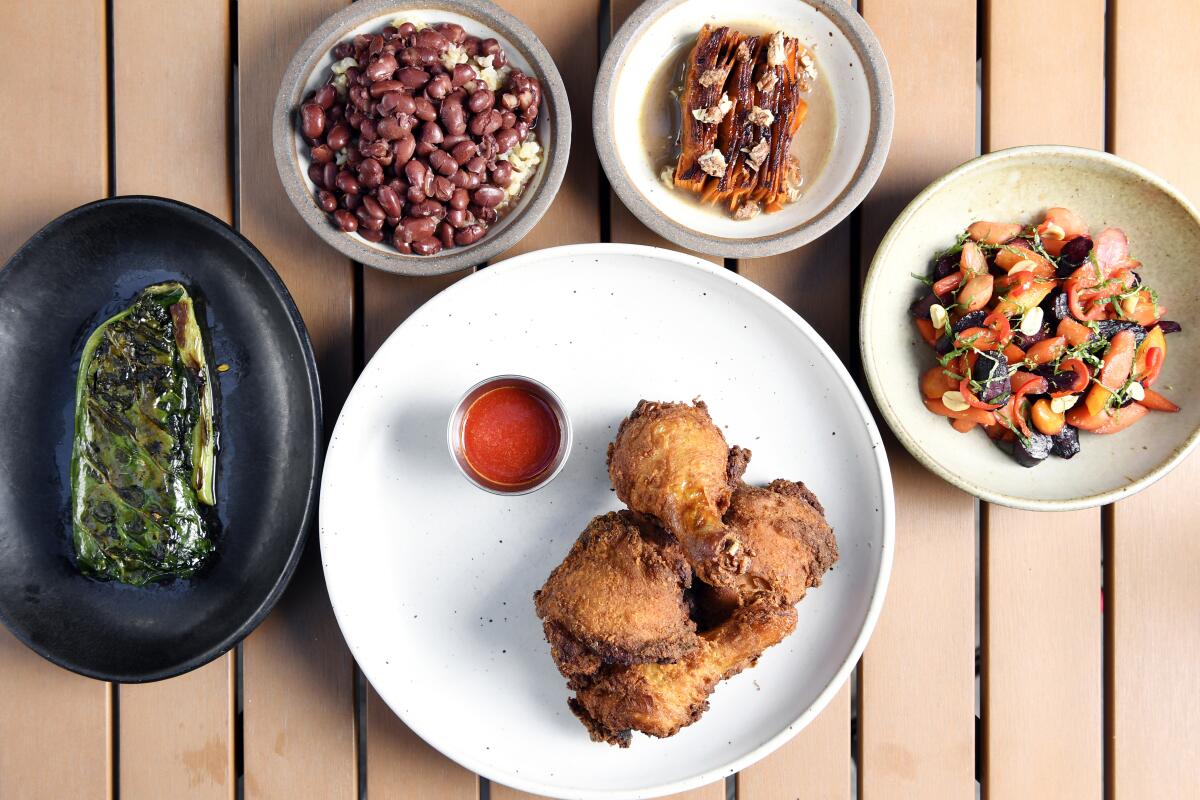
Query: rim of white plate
x=519 y=782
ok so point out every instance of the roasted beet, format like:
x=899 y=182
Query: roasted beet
x=1060 y=306
x=1108 y=328
x=944 y=345
x=920 y=308
x=1066 y=442
x=1025 y=341
x=991 y=371
x=1168 y=326
x=973 y=319
x=1075 y=251
x=945 y=265
x=1057 y=381
x=1034 y=449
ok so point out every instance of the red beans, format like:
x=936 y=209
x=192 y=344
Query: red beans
x=488 y=196
x=410 y=151
x=312 y=120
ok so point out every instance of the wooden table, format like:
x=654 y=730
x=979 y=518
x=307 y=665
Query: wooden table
x=995 y=659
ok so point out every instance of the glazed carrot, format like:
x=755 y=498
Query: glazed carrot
x=977 y=415
x=1154 y=339
x=963 y=425
x=1075 y=333
x=1047 y=350
x=1156 y=402
x=935 y=382
x=976 y=293
x=972 y=261
x=993 y=232
x=928 y=333
x=1014 y=353
x=1006 y=259
x=1060 y=226
x=1110 y=420
x=1045 y=419
x=1118 y=361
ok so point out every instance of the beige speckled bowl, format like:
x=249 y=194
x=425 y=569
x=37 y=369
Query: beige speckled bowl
x=1018 y=185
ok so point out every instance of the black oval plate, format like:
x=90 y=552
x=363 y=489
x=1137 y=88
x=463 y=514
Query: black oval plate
x=71 y=276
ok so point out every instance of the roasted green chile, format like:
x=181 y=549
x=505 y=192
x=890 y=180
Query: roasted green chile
x=144 y=456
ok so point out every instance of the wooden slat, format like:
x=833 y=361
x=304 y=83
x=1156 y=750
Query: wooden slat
x=176 y=735
x=917 y=723
x=1042 y=654
x=400 y=764
x=813 y=766
x=47 y=713
x=713 y=791
x=1042 y=622
x=1154 y=582
x=567 y=29
x=298 y=679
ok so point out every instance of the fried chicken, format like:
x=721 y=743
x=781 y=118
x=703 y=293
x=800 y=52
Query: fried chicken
x=671 y=462
x=659 y=699
x=788 y=542
x=617 y=598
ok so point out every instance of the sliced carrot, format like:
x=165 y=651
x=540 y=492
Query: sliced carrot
x=1118 y=360
x=1122 y=418
x=1156 y=402
x=963 y=425
x=1110 y=420
x=1145 y=313
x=935 y=383
x=1018 y=302
x=1075 y=333
x=993 y=232
x=972 y=261
x=977 y=415
x=1047 y=350
x=1064 y=219
x=1014 y=353
x=928 y=332
x=1010 y=256
x=1045 y=419
x=976 y=292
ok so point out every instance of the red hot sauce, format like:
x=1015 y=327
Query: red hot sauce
x=510 y=436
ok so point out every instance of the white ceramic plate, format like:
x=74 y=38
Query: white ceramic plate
x=1018 y=185
x=432 y=579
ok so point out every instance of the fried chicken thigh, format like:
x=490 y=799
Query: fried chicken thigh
x=671 y=462
x=659 y=699
x=789 y=547
x=617 y=598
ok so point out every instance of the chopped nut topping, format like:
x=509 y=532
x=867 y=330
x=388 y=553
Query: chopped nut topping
x=748 y=210
x=713 y=163
x=767 y=82
x=761 y=116
x=810 y=70
x=743 y=52
x=667 y=176
x=714 y=114
x=712 y=77
x=756 y=155
x=776 y=54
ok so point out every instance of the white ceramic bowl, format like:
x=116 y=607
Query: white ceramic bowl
x=1018 y=185
x=851 y=66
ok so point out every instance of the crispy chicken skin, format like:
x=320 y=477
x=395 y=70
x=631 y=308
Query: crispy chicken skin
x=671 y=462
x=789 y=546
x=659 y=699
x=617 y=598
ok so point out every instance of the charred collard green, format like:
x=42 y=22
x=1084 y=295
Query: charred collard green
x=144 y=457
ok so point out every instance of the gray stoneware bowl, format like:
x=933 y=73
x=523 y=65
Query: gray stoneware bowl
x=850 y=113
x=1018 y=185
x=309 y=69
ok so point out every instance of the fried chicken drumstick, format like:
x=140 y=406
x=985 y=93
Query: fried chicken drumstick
x=788 y=542
x=659 y=699
x=671 y=462
x=617 y=598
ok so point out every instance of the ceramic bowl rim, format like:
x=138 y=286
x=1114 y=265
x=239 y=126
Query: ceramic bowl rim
x=879 y=138
x=285 y=139
x=867 y=350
